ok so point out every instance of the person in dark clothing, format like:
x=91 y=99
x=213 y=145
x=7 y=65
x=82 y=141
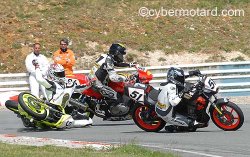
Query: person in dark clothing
x=104 y=69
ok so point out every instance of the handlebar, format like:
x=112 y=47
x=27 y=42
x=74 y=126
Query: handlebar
x=198 y=85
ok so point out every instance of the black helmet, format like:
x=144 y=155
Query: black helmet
x=176 y=76
x=117 y=51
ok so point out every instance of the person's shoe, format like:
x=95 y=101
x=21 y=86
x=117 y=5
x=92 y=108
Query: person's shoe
x=83 y=123
x=180 y=120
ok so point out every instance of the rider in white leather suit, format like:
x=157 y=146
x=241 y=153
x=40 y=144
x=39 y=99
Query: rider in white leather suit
x=171 y=95
x=58 y=90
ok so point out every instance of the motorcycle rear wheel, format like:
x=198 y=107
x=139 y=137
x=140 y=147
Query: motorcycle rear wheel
x=232 y=117
x=31 y=105
x=147 y=121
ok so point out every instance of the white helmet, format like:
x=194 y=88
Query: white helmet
x=56 y=73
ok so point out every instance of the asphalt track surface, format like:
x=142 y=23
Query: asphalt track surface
x=210 y=141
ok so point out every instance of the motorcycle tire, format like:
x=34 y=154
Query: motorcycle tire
x=151 y=124
x=232 y=117
x=31 y=105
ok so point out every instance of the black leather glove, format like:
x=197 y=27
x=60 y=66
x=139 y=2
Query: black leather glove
x=194 y=72
x=185 y=92
x=200 y=86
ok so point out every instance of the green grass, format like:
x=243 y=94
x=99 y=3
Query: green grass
x=106 y=21
x=9 y=150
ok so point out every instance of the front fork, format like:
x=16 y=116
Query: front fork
x=216 y=108
x=218 y=102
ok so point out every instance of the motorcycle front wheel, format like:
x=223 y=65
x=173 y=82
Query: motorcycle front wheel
x=231 y=119
x=32 y=106
x=147 y=119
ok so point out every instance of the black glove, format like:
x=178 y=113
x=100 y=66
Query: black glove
x=200 y=86
x=194 y=72
x=185 y=92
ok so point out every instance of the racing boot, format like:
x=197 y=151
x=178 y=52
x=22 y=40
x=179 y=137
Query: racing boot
x=86 y=121
x=180 y=120
x=183 y=121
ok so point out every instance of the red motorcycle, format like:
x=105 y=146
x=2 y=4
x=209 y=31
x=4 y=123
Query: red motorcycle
x=87 y=101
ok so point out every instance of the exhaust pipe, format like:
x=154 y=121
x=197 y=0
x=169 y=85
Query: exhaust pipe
x=81 y=106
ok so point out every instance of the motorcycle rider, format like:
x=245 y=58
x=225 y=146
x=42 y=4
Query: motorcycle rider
x=171 y=95
x=58 y=91
x=104 y=68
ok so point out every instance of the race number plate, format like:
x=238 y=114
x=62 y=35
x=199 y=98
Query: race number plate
x=136 y=94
